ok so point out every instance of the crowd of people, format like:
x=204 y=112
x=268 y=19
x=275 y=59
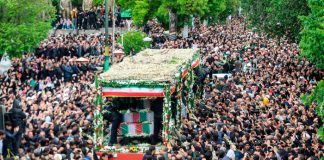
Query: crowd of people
x=253 y=113
x=88 y=19
x=48 y=96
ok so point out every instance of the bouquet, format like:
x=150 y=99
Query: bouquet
x=134 y=149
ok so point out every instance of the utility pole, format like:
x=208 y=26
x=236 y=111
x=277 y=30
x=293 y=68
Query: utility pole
x=113 y=30
x=106 y=63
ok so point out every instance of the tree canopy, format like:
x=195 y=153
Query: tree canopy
x=312 y=36
x=277 y=17
x=77 y=3
x=133 y=40
x=317 y=96
x=177 y=12
x=230 y=7
x=97 y=2
x=23 y=24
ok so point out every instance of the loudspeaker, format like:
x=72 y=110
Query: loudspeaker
x=2 y=119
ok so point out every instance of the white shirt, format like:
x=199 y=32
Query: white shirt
x=1 y=147
x=230 y=154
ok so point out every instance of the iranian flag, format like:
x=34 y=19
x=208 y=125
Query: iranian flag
x=195 y=64
x=132 y=92
x=184 y=73
x=146 y=116
x=134 y=129
x=136 y=117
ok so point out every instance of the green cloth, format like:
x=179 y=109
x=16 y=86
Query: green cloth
x=146 y=128
x=143 y=116
x=33 y=83
x=124 y=129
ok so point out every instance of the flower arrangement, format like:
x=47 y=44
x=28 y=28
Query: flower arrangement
x=124 y=150
x=140 y=148
x=111 y=149
x=134 y=149
x=151 y=65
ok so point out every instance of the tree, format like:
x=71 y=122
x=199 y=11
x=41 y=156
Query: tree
x=312 y=47
x=133 y=40
x=277 y=17
x=317 y=96
x=178 y=12
x=140 y=12
x=218 y=6
x=23 y=24
x=231 y=7
x=77 y=3
x=97 y=2
x=255 y=11
x=162 y=16
x=283 y=18
x=56 y=4
x=312 y=36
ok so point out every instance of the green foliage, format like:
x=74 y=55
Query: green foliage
x=140 y=12
x=97 y=2
x=126 y=4
x=286 y=13
x=162 y=16
x=255 y=11
x=134 y=40
x=277 y=17
x=56 y=4
x=174 y=60
x=77 y=3
x=230 y=8
x=312 y=40
x=194 y=7
x=218 y=7
x=317 y=96
x=23 y=24
x=144 y=10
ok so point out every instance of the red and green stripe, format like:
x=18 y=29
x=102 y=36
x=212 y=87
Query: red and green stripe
x=136 y=129
x=195 y=64
x=136 y=117
x=132 y=92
